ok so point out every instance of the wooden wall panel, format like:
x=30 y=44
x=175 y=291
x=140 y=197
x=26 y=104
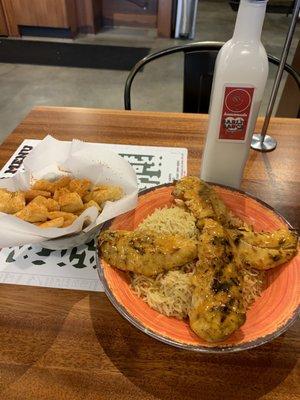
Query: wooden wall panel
x=48 y=13
x=3 y=24
x=164 y=18
x=89 y=15
x=126 y=19
x=123 y=12
x=9 y=13
x=44 y=13
x=70 y=14
x=85 y=16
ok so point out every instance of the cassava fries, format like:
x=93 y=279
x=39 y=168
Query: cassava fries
x=53 y=223
x=33 y=213
x=80 y=186
x=59 y=192
x=50 y=204
x=11 y=202
x=57 y=204
x=32 y=193
x=70 y=202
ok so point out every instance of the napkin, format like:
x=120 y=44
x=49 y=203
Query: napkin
x=52 y=159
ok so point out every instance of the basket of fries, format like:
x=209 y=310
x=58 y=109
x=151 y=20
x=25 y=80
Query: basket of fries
x=65 y=193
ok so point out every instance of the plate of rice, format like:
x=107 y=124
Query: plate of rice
x=159 y=305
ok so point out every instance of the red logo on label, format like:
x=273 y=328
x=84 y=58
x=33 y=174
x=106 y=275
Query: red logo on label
x=235 y=114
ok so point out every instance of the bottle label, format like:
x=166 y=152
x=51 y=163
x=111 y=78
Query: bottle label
x=235 y=113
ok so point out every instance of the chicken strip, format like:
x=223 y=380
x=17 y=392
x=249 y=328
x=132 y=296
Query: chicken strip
x=261 y=251
x=203 y=202
x=280 y=239
x=217 y=304
x=146 y=252
x=188 y=190
x=264 y=250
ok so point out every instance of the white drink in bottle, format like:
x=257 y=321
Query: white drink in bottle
x=240 y=77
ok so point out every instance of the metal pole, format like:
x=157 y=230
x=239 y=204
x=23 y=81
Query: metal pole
x=262 y=141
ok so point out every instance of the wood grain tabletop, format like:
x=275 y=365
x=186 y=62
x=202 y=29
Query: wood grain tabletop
x=68 y=344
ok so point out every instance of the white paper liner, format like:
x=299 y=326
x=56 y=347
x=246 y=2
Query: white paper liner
x=53 y=158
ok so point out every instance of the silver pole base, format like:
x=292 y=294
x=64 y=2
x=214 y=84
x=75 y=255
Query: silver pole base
x=268 y=144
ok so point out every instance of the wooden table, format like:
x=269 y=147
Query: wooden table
x=67 y=344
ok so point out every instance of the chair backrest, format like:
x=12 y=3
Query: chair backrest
x=199 y=63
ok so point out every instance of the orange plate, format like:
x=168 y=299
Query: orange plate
x=270 y=315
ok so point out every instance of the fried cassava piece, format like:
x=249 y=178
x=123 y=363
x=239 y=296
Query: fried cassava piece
x=57 y=204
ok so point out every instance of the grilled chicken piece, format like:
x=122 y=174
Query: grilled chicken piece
x=188 y=189
x=217 y=305
x=280 y=239
x=264 y=250
x=146 y=252
x=203 y=202
x=258 y=250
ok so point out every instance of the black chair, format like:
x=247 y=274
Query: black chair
x=199 y=62
x=278 y=7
